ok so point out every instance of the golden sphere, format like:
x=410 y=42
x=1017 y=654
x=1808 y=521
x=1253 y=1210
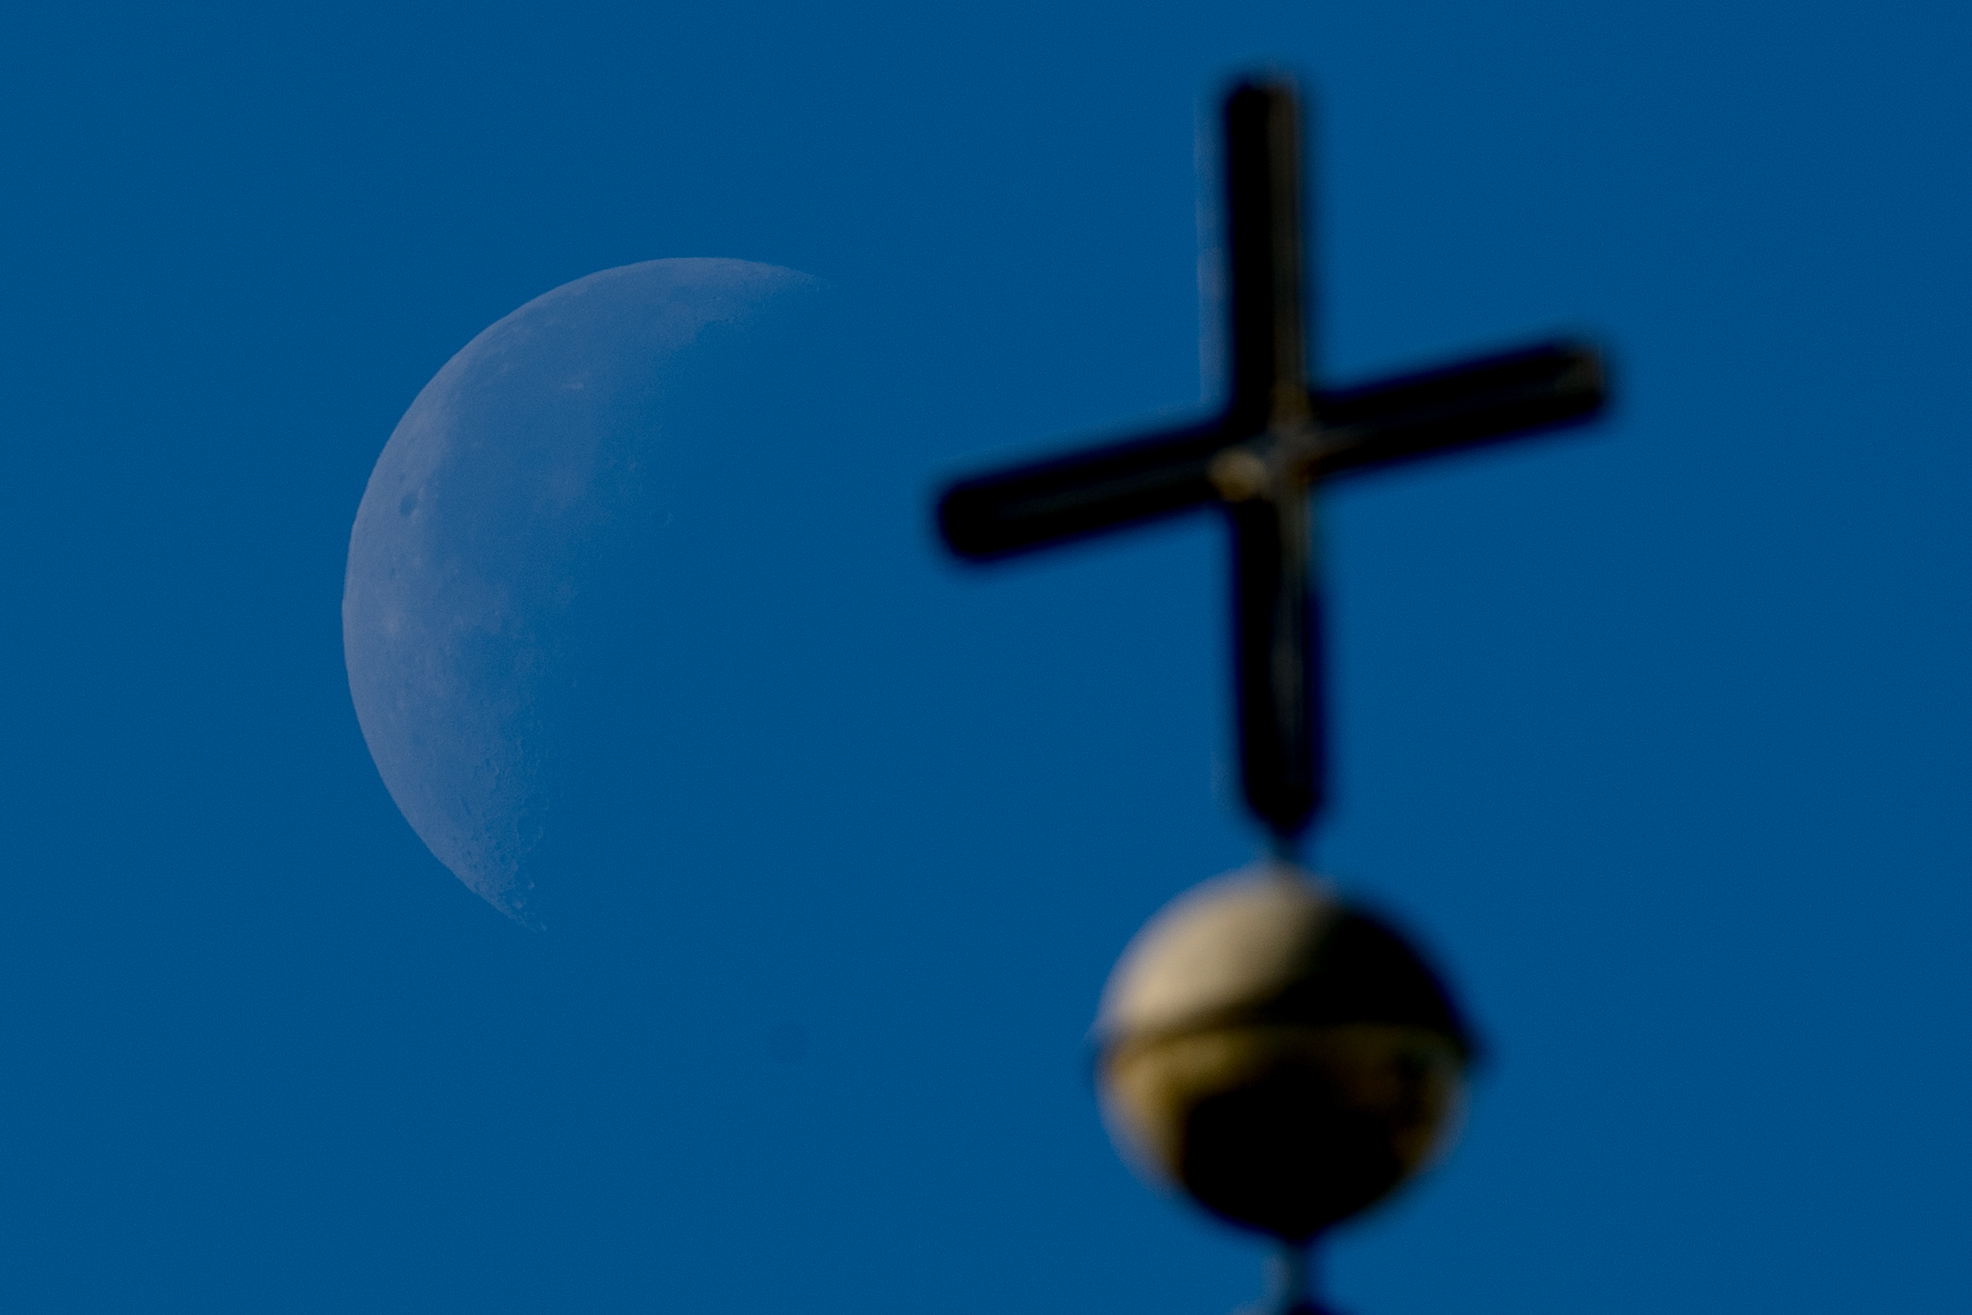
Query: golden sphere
x=1284 y=1058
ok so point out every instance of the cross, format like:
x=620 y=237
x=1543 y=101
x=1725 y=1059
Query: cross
x=1260 y=457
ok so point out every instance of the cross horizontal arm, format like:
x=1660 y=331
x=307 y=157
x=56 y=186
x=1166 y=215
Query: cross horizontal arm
x=1484 y=401
x=1048 y=501
x=1362 y=428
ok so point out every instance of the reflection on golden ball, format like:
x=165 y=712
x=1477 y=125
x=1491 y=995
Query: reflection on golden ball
x=1284 y=1058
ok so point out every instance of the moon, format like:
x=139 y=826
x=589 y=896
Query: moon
x=525 y=482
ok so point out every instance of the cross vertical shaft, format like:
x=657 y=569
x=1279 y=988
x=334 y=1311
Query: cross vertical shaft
x=1277 y=687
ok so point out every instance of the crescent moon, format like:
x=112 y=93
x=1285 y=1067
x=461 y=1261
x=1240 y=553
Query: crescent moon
x=526 y=471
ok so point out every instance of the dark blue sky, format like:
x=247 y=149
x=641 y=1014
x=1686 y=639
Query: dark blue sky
x=1656 y=735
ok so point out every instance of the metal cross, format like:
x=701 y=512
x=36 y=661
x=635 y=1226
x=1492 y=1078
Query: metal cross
x=1258 y=460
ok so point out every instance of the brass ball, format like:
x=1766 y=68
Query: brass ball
x=1283 y=1057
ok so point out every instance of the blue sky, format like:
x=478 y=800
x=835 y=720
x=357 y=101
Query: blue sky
x=1656 y=735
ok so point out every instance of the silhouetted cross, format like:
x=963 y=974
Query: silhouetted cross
x=1258 y=460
